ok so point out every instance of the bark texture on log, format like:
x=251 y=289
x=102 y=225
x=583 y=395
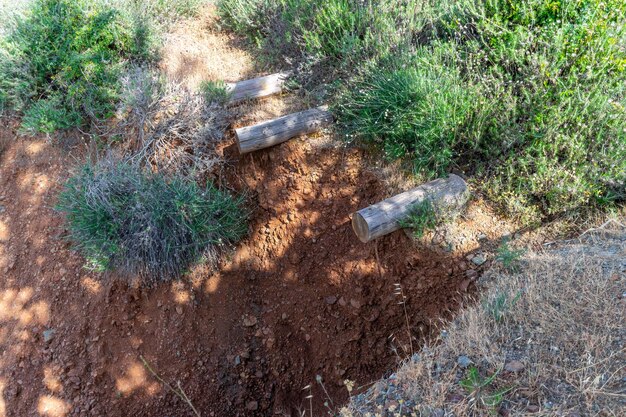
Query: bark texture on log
x=273 y=132
x=447 y=195
x=256 y=88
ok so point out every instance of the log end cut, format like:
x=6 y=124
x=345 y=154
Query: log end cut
x=360 y=227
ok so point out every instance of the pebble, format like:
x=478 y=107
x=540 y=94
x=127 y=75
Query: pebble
x=514 y=366
x=330 y=300
x=464 y=361
x=532 y=408
x=48 y=335
x=179 y=310
x=479 y=260
x=249 y=321
x=252 y=405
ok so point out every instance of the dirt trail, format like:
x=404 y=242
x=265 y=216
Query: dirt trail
x=301 y=297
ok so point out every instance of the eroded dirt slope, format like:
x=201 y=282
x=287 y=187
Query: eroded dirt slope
x=300 y=297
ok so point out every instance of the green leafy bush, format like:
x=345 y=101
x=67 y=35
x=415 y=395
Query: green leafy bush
x=69 y=55
x=122 y=217
x=61 y=60
x=528 y=96
x=417 y=109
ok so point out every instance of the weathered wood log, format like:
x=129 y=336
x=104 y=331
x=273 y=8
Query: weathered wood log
x=446 y=195
x=273 y=132
x=256 y=87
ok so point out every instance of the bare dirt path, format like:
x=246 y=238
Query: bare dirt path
x=301 y=297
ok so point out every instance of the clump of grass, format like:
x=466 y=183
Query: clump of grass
x=509 y=257
x=481 y=391
x=214 y=91
x=123 y=217
x=416 y=109
x=421 y=218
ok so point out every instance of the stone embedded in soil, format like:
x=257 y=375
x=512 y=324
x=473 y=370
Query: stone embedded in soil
x=330 y=300
x=479 y=259
x=252 y=405
x=249 y=321
x=48 y=335
x=464 y=361
x=514 y=366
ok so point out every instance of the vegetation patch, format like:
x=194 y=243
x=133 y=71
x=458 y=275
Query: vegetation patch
x=61 y=61
x=527 y=96
x=122 y=217
x=421 y=218
x=520 y=350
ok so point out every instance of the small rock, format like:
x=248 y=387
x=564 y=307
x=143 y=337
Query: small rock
x=179 y=310
x=355 y=303
x=514 y=366
x=252 y=405
x=48 y=335
x=330 y=300
x=471 y=274
x=464 y=361
x=237 y=360
x=532 y=408
x=481 y=236
x=249 y=321
x=342 y=302
x=479 y=259
x=464 y=285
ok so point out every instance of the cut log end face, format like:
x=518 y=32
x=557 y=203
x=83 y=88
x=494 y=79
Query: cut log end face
x=360 y=227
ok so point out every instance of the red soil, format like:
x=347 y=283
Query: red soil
x=300 y=297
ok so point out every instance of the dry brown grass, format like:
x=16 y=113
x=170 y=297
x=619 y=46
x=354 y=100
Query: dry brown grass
x=562 y=319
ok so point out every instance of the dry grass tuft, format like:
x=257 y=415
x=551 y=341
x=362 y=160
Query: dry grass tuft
x=169 y=128
x=547 y=339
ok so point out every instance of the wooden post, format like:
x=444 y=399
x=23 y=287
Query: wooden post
x=256 y=87
x=446 y=195
x=273 y=132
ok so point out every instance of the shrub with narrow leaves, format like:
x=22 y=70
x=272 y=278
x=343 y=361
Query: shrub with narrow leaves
x=123 y=217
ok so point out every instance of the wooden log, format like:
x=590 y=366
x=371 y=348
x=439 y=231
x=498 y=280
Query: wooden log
x=273 y=132
x=256 y=87
x=446 y=195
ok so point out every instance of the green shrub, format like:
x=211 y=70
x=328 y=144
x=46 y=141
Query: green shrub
x=61 y=61
x=242 y=16
x=415 y=109
x=528 y=96
x=69 y=55
x=122 y=217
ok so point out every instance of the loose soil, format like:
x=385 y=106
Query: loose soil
x=300 y=299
